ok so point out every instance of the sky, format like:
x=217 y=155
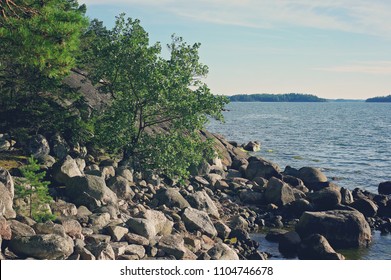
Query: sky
x=330 y=48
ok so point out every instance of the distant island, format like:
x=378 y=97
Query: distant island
x=267 y=97
x=379 y=99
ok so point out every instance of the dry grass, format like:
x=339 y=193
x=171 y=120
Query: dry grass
x=12 y=159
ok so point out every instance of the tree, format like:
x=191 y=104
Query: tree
x=158 y=104
x=35 y=191
x=39 y=41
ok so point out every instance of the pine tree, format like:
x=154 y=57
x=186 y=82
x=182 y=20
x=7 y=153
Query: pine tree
x=35 y=191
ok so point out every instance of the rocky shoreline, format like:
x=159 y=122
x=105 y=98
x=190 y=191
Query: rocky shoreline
x=106 y=211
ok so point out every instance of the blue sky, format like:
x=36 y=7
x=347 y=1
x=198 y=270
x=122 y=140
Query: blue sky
x=330 y=48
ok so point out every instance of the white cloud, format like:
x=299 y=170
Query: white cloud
x=366 y=67
x=359 y=16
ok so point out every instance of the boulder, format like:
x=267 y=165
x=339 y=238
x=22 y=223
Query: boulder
x=21 y=229
x=385 y=188
x=346 y=196
x=99 y=220
x=90 y=191
x=326 y=199
x=65 y=169
x=102 y=251
x=49 y=228
x=202 y=201
x=38 y=146
x=48 y=246
x=5 y=229
x=61 y=208
x=251 y=197
x=171 y=198
x=342 y=228
x=117 y=233
x=173 y=245
x=4 y=145
x=198 y=220
x=60 y=147
x=316 y=247
x=6 y=202
x=367 y=207
x=149 y=224
x=221 y=251
x=238 y=222
x=278 y=192
x=252 y=146
x=8 y=181
x=97 y=238
x=136 y=239
x=275 y=234
x=313 y=178
x=259 y=167
x=121 y=187
x=124 y=173
x=223 y=230
x=134 y=249
x=72 y=227
x=289 y=243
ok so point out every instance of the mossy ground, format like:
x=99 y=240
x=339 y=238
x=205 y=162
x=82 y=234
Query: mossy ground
x=12 y=159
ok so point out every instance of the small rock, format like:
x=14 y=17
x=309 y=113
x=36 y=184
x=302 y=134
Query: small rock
x=65 y=169
x=62 y=208
x=102 y=251
x=72 y=228
x=49 y=228
x=202 y=201
x=20 y=229
x=172 y=198
x=38 y=146
x=289 y=243
x=97 y=238
x=223 y=230
x=367 y=207
x=252 y=146
x=259 y=167
x=99 y=220
x=5 y=229
x=278 y=192
x=313 y=178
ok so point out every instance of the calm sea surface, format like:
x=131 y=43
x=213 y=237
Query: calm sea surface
x=349 y=142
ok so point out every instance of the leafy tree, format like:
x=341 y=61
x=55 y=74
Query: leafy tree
x=159 y=104
x=35 y=190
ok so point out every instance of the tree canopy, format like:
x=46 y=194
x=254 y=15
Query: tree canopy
x=158 y=104
x=266 y=97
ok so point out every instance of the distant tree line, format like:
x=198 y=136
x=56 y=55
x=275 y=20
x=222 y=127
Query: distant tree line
x=266 y=97
x=379 y=99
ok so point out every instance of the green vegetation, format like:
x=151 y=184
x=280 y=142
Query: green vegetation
x=158 y=104
x=39 y=42
x=34 y=191
x=265 y=97
x=379 y=99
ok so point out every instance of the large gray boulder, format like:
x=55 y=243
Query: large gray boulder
x=312 y=177
x=65 y=169
x=6 y=202
x=90 y=191
x=21 y=229
x=198 y=220
x=48 y=246
x=326 y=199
x=121 y=187
x=172 y=198
x=201 y=200
x=173 y=245
x=278 y=192
x=38 y=146
x=259 y=167
x=316 y=247
x=221 y=251
x=149 y=224
x=366 y=206
x=342 y=228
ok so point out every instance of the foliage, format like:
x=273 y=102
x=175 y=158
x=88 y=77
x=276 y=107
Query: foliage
x=379 y=99
x=159 y=104
x=35 y=190
x=39 y=42
x=265 y=97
